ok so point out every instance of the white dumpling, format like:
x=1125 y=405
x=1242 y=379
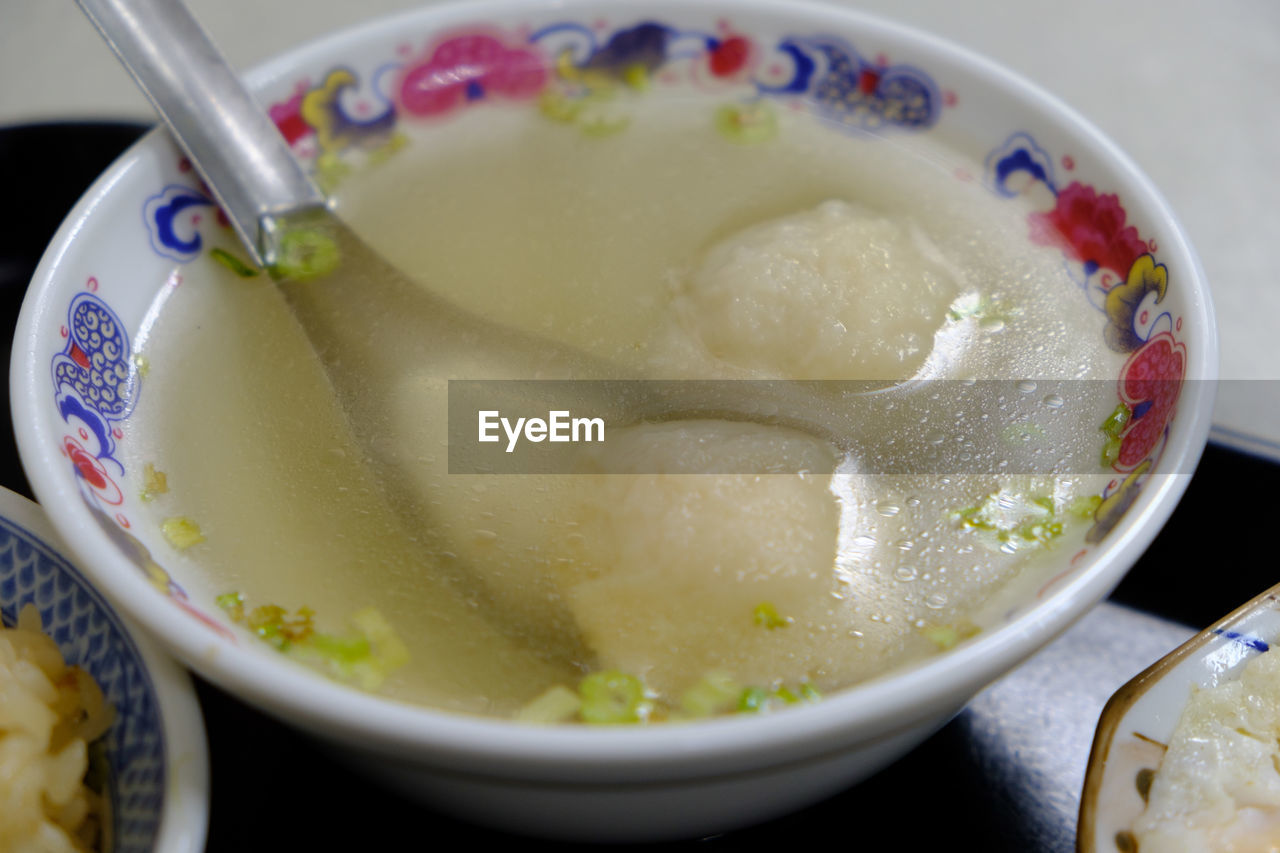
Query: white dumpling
x=836 y=292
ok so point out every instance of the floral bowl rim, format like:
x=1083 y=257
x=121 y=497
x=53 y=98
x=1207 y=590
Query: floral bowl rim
x=897 y=701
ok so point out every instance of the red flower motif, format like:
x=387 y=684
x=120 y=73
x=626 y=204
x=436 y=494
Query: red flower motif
x=1089 y=228
x=470 y=67
x=91 y=470
x=729 y=56
x=1150 y=384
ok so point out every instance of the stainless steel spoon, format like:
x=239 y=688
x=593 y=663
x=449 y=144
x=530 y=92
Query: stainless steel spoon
x=350 y=300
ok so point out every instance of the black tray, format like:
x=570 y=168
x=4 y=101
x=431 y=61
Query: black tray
x=1004 y=775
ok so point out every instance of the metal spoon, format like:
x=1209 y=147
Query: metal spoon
x=373 y=326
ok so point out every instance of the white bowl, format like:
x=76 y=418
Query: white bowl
x=584 y=782
x=158 y=767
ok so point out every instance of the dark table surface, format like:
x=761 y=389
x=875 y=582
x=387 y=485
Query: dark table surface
x=1004 y=775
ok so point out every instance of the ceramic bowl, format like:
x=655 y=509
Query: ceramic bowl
x=148 y=222
x=157 y=779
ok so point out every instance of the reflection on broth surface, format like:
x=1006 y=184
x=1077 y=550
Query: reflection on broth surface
x=670 y=253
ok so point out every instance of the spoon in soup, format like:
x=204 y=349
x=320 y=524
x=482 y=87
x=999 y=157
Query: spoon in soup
x=378 y=331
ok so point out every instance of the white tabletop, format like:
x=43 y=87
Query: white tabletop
x=1190 y=89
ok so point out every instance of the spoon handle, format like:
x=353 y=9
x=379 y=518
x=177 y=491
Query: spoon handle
x=228 y=136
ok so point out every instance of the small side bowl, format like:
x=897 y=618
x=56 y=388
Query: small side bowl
x=158 y=776
x=1141 y=717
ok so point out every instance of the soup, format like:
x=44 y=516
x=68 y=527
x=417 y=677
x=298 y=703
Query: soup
x=707 y=562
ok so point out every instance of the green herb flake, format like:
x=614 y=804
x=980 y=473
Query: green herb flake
x=231 y=262
x=611 y=697
x=753 y=700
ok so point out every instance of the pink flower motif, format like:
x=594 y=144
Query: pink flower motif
x=204 y=619
x=287 y=116
x=468 y=68
x=1150 y=385
x=1089 y=228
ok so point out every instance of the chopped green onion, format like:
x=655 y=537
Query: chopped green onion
x=1020 y=432
x=808 y=692
x=716 y=693
x=342 y=650
x=1085 y=506
x=181 y=532
x=307 y=253
x=233 y=263
x=1111 y=452
x=601 y=126
x=233 y=604
x=153 y=482
x=388 y=649
x=753 y=699
x=557 y=107
x=557 y=705
x=766 y=616
x=948 y=636
x=747 y=123
x=1116 y=421
x=612 y=697
x=637 y=77
x=363 y=658
x=786 y=695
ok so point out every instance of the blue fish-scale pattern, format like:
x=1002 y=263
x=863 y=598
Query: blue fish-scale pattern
x=90 y=634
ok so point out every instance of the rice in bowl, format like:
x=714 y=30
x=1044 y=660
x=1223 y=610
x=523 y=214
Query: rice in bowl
x=49 y=714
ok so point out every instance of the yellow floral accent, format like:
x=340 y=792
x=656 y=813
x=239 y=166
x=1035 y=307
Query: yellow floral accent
x=1145 y=276
x=317 y=109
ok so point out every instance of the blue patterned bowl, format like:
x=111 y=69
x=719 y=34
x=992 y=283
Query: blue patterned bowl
x=157 y=779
